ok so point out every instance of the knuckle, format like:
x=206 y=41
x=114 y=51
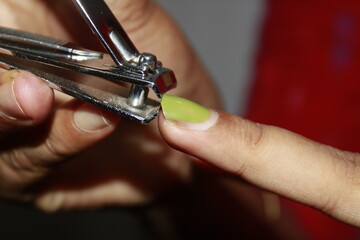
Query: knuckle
x=132 y=14
x=247 y=141
x=20 y=162
x=330 y=204
x=17 y=170
x=241 y=168
x=54 y=152
x=343 y=204
x=347 y=166
x=344 y=197
x=251 y=134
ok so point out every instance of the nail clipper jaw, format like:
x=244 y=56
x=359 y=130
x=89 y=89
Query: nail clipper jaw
x=163 y=80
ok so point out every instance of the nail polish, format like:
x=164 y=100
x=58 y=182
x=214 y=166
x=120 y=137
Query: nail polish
x=187 y=114
x=180 y=109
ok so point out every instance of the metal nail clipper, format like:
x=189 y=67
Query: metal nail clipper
x=118 y=81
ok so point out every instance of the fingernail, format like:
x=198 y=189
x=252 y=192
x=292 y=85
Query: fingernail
x=88 y=118
x=190 y=114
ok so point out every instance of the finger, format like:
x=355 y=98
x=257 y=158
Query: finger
x=72 y=128
x=25 y=100
x=269 y=157
x=113 y=193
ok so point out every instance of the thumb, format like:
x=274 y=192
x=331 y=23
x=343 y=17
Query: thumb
x=269 y=157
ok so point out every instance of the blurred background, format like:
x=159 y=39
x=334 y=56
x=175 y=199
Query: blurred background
x=225 y=36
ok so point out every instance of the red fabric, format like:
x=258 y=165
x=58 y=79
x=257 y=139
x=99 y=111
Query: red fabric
x=308 y=81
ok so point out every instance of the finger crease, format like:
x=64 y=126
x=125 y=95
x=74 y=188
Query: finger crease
x=20 y=162
x=330 y=206
x=54 y=153
x=139 y=17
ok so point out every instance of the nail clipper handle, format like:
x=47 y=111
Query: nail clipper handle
x=111 y=34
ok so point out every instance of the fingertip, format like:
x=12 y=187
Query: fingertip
x=166 y=128
x=187 y=137
x=33 y=97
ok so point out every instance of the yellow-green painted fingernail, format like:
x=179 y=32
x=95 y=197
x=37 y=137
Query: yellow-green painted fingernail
x=180 y=109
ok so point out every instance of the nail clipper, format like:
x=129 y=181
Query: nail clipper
x=118 y=81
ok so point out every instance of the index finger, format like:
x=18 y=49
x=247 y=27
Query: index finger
x=272 y=158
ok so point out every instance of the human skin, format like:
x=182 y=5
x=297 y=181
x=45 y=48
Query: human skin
x=60 y=153
x=271 y=158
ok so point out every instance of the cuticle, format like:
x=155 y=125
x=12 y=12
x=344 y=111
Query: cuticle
x=214 y=117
